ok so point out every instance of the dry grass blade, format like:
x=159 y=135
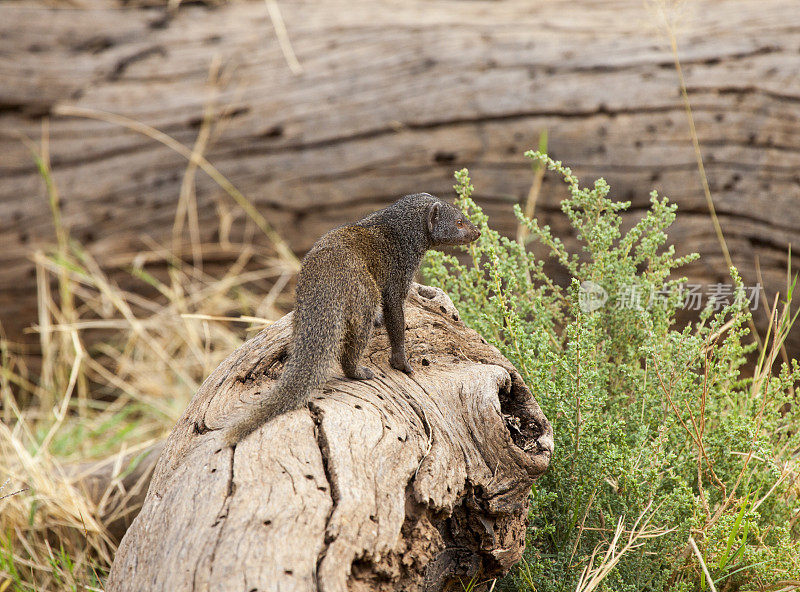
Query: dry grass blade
x=533 y=193
x=699 y=556
x=241 y=319
x=593 y=575
x=283 y=37
x=187 y=201
x=2 y=497
x=61 y=412
x=661 y=8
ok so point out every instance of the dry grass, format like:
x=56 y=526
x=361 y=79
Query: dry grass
x=117 y=370
x=594 y=573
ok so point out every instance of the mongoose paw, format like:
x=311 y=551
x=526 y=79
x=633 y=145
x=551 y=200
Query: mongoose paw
x=361 y=373
x=401 y=364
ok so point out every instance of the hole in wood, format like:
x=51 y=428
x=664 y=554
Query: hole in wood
x=441 y=157
x=276 y=131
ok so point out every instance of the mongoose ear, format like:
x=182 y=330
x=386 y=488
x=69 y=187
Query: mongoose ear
x=433 y=216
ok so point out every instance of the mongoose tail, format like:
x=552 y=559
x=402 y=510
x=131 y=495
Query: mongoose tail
x=307 y=369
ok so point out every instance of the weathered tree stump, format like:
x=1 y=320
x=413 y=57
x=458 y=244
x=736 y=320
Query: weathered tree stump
x=396 y=483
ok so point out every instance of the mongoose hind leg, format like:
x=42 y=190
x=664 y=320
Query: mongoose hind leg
x=353 y=345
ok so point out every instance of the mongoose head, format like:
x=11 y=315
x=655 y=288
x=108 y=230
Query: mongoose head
x=447 y=225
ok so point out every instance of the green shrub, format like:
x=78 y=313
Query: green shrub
x=659 y=435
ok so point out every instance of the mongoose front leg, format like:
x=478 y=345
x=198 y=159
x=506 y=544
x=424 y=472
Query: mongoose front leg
x=395 y=320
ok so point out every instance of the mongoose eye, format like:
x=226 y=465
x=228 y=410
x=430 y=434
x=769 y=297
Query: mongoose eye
x=460 y=223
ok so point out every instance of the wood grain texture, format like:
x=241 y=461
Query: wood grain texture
x=396 y=483
x=393 y=97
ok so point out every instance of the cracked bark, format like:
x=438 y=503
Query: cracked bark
x=393 y=97
x=396 y=483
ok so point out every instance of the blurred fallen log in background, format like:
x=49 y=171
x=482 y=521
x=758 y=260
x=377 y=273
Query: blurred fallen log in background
x=386 y=99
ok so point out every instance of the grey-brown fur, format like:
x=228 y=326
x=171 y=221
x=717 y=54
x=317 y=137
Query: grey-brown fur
x=346 y=275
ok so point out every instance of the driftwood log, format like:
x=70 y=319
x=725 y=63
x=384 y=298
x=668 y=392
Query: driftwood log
x=397 y=483
x=392 y=97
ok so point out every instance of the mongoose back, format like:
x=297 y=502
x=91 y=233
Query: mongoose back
x=348 y=273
